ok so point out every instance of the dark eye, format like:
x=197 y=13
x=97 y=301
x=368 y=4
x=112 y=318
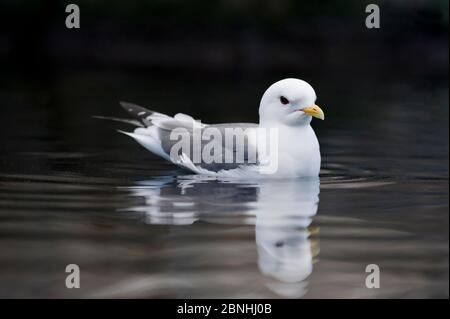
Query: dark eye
x=284 y=100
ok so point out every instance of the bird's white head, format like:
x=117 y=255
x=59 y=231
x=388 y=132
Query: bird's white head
x=291 y=102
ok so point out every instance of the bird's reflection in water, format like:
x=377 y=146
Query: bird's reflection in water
x=280 y=210
x=285 y=251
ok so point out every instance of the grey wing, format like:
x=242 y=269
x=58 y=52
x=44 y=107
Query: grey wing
x=171 y=137
x=213 y=147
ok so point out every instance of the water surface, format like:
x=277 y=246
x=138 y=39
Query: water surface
x=74 y=191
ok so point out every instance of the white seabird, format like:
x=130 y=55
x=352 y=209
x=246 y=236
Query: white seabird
x=287 y=107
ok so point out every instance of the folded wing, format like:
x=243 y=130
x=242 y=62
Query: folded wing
x=187 y=142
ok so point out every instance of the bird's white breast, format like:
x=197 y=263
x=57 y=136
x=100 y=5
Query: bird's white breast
x=298 y=152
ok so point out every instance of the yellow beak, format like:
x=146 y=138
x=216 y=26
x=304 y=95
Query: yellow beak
x=314 y=111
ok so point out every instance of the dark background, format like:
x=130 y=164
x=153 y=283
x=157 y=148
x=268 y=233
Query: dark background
x=239 y=38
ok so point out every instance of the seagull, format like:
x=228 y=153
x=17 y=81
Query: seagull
x=286 y=110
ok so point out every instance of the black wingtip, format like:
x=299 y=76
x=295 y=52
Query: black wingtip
x=124 y=104
x=129 y=107
x=138 y=112
x=135 y=110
